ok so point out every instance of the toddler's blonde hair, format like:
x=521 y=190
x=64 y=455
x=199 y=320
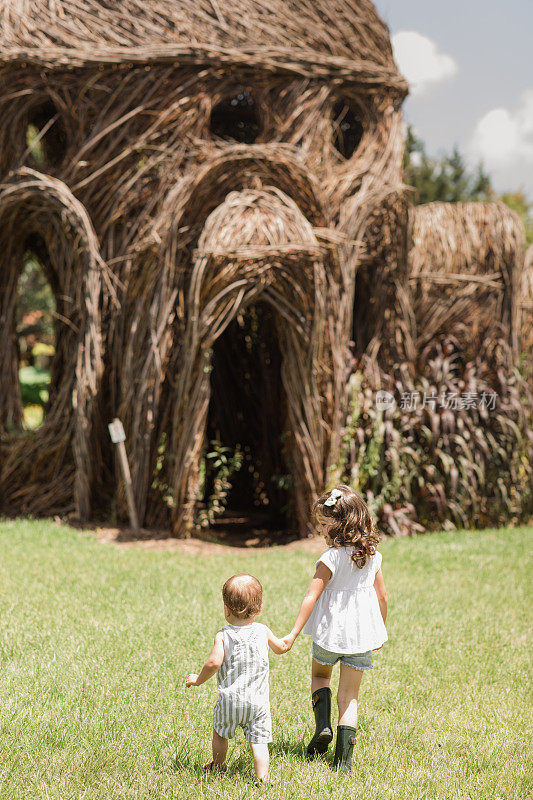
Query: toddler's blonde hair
x=243 y=595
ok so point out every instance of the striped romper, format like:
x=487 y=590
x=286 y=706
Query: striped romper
x=243 y=684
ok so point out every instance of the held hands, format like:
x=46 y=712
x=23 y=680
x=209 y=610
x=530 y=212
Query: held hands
x=277 y=645
x=288 y=641
x=191 y=680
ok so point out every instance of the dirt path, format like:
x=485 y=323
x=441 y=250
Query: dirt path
x=160 y=540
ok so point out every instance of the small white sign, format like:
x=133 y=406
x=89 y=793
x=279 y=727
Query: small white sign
x=116 y=431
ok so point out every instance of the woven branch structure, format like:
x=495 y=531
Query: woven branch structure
x=526 y=304
x=219 y=209
x=465 y=266
x=52 y=470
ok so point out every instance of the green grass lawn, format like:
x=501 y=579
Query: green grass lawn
x=96 y=641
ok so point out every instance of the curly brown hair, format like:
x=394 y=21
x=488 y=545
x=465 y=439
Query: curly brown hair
x=348 y=523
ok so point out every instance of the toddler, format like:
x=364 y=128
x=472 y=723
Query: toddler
x=344 y=612
x=240 y=659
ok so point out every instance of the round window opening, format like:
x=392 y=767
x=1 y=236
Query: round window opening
x=46 y=135
x=347 y=128
x=236 y=118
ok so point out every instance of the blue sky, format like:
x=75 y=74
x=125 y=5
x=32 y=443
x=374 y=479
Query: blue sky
x=478 y=56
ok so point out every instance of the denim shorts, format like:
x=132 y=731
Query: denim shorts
x=356 y=660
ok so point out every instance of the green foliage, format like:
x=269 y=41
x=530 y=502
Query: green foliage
x=159 y=481
x=215 y=471
x=42 y=349
x=34 y=144
x=96 y=641
x=36 y=308
x=33 y=417
x=518 y=202
x=433 y=466
x=445 y=178
x=219 y=464
x=34 y=385
x=35 y=320
x=35 y=294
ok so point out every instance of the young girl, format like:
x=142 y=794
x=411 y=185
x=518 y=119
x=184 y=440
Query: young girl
x=344 y=612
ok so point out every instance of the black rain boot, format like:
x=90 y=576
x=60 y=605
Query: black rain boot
x=323 y=734
x=342 y=761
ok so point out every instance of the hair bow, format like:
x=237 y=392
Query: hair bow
x=334 y=496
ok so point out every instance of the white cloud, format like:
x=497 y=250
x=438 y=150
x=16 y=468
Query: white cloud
x=502 y=136
x=420 y=61
x=503 y=140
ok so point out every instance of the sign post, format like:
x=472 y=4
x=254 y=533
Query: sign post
x=118 y=437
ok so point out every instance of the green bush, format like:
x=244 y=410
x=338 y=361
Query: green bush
x=432 y=466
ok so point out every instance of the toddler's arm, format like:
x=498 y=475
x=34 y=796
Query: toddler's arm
x=314 y=590
x=212 y=664
x=278 y=646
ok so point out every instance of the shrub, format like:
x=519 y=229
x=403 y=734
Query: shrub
x=463 y=459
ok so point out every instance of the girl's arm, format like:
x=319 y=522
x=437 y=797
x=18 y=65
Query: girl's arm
x=212 y=664
x=379 y=586
x=315 y=589
x=277 y=646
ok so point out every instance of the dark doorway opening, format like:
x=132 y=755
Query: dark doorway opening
x=247 y=486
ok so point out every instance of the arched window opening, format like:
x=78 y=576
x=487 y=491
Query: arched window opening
x=347 y=128
x=46 y=135
x=36 y=335
x=236 y=118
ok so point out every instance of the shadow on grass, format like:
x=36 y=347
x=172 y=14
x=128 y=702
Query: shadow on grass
x=186 y=762
x=297 y=750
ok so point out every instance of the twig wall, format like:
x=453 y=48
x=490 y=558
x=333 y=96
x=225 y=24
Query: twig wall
x=197 y=159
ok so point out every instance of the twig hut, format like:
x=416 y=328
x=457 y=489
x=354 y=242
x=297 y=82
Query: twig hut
x=215 y=194
x=526 y=307
x=465 y=270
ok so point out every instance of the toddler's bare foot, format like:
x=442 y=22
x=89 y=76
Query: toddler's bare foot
x=265 y=782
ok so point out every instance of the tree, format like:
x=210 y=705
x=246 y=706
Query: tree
x=445 y=177
x=518 y=202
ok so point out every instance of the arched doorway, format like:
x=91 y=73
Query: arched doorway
x=258 y=263
x=162 y=303
x=50 y=470
x=246 y=478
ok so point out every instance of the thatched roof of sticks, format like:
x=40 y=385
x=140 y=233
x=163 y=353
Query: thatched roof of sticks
x=465 y=267
x=343 y=39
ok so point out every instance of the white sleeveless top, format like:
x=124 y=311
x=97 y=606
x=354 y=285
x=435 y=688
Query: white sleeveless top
x=243 y=675
x=346 y=617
